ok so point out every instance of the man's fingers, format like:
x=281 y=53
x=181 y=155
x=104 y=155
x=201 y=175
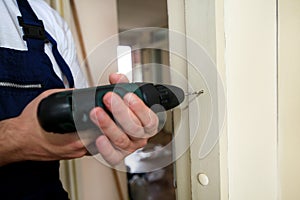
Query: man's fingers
x=108 y=152
x=124 y=116
x=118 y=78
x=146 y=116
x=112 y=154
x=110 y=129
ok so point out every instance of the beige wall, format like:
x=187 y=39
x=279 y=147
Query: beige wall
x=99 y=24
x=251 y=72
x=289 y=98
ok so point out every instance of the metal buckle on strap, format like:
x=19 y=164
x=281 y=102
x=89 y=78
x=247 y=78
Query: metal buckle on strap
x=33 y=31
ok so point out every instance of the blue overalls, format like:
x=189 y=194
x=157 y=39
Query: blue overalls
x=23 y=76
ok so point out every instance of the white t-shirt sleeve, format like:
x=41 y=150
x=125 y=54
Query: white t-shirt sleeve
x=60 y=31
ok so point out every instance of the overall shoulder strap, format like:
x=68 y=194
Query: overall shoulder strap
x=33 y=28
x=36 y=36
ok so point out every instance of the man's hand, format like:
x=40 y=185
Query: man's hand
x=22 y=138
x=135 y=123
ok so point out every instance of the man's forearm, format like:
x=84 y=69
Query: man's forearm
x=9 y=149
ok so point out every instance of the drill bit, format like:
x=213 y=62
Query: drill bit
x=197 y=93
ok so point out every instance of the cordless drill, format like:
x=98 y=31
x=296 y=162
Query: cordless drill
x=68 y=111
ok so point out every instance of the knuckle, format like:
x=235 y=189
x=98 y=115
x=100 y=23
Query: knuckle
x=130 y=151
x=134 y=102
x=136 y=131
x=133 y=128
x=116 y=110
x=152 y=127
x=104 y=122
x=153 y=123
x=82 y=152
x=77 y=145
x=77 y=153
x=122 y=142
x=139 y=144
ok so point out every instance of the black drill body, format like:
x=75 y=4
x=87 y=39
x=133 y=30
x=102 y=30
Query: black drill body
x=68 y=111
